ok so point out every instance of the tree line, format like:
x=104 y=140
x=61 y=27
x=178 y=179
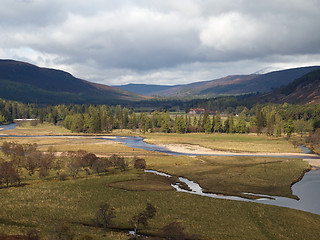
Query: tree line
x=270 y=119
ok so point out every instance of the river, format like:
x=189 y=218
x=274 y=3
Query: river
x=307 y=189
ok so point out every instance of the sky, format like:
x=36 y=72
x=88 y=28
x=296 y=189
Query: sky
x=168 y=42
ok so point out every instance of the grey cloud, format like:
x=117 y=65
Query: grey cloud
x=110 y=41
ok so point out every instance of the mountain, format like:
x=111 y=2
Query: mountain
x=25 y=82
x=305 y=89
x=238 y=84
x=144 y=89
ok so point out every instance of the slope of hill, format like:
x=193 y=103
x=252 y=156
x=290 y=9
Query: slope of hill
x=305 y=89
x=144 y=89
x=28 y=83
x=238 y=84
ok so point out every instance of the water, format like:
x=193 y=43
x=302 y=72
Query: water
x=137 y=142
x=8 y=126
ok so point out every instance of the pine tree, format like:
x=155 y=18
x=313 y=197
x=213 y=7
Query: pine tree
x=208 y=125
x=218 y=123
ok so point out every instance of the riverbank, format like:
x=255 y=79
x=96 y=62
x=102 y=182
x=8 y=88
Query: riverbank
x=313 y=162
x=198 y=150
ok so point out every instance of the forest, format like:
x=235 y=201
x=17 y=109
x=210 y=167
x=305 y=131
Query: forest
x=270 y=119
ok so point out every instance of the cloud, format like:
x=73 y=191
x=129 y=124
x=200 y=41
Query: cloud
x=165 y=41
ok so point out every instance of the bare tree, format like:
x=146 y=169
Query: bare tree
x=32 y=162
x=104 y=216
x=101 y=165
x=88 y=159
x=8 y=173
x=74 y=166
x=143 y=217
x=119 y=162
x=61 y=232
x=6 y=148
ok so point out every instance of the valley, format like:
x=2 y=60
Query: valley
x=66 y=202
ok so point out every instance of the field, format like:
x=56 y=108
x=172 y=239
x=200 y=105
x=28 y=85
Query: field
x=227 y=142
x=45 y=203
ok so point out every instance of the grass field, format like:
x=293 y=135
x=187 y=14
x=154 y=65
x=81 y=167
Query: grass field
x=45 y=203
x=74 y=202
x=227 y=142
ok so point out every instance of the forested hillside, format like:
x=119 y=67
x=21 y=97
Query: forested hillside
x=304 y=90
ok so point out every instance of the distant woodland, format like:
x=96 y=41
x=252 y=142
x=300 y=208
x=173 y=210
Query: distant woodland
x=270 y=119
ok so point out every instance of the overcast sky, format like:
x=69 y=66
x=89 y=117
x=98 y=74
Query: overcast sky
x=160 y=41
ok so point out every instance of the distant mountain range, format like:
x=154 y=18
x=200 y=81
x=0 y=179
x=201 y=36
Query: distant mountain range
x=25 y=82
x=230 y=85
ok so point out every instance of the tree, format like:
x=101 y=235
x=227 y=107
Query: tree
x=261 y=121
x=74 y=166
x=77 y=123
x=270 y=124
x=88 y=159
x=316 y=124
x=101 y=165
x=208 y=125
x=104 y=216
x=32 y=162
x=6 y=148
x=301 y=126
x=143 y=217
x=61 y=232
x=241 y=126
x=119 y=162
x=139 y=163
x=205 y=118
x=180 y=125
x=166 y=123
x=289 y=127
x=218 y=123
x=8 y=174
x=226 y=126
x=231 y=123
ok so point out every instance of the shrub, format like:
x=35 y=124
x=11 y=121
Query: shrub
x=140 y=163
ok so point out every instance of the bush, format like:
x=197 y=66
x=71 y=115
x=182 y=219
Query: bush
x=63 y=176
x=140 y=163
x=173 y=231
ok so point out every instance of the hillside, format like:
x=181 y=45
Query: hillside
x=25 y=82
x=144 y=89
x=305 y=89
x=238 y=84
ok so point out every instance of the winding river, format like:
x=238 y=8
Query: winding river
x=307 y=189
